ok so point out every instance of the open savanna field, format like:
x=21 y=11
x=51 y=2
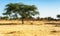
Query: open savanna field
x=30 y=28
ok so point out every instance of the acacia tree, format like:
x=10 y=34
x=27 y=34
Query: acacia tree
x=25 y=11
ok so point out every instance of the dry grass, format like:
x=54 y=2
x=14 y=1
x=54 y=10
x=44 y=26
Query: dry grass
x=29 y=30
x=26 y=22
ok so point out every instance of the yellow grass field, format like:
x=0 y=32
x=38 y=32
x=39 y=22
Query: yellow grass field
x=29 y=30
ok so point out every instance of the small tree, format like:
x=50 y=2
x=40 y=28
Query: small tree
x=58 y=16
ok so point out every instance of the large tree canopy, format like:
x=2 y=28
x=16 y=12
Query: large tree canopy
x=25 y=11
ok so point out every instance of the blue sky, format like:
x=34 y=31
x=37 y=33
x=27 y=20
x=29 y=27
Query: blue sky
x=47 y=8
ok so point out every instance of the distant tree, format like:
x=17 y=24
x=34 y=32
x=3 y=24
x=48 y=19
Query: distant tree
x=58 y=16
x=49 y=18
x=38 y=18
x=25 y=11
x=41 y=18
x=46 y=18
x=4 y=17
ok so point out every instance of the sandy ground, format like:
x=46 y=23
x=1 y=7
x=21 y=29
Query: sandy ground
x=29 y=30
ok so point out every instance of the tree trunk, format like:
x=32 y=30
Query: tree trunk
x=22 y=20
